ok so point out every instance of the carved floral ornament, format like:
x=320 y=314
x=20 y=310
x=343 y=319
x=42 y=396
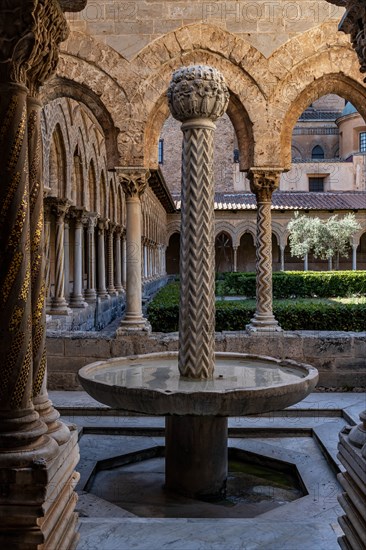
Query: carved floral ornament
x=263 y=183
x=133 y=182
x=197 y=91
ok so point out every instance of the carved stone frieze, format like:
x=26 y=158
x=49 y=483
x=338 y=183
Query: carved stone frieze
x=198 y=91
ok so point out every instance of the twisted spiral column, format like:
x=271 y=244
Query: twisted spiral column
x=197 y=97
x=263 y=183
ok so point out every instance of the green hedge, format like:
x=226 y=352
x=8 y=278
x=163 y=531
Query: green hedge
x=297 y=284
x=320 y=314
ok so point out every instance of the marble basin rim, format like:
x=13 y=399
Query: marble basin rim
x=164 y=392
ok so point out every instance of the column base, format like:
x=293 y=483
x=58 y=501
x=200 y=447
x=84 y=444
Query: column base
x=131 y=324
x=78 y=302
x=263 y=323
x=103 y=295
x=59 y=307
x=37 y=501
x=196 y=456
x=50 y=416
x=90 y=296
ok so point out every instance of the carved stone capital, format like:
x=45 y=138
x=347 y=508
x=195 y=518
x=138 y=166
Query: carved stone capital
x=30 y=34
x=198 y=91
x=91 y=220
x=133 y=180
x=102 y=225
x=59 y=207
x=263 y=183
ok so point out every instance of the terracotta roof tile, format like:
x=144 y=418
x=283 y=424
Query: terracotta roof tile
x=282 y=200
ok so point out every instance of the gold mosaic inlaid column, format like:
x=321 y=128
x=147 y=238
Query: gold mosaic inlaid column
x=263 y=183
x=37 y=473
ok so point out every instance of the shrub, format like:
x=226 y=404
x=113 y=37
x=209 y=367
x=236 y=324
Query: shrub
x=303 y=314
x=298 y=284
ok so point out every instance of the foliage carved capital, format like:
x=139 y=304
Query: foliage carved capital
x=263 y=183
x=133 y=181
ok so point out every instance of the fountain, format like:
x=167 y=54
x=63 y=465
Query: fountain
x=195 y=389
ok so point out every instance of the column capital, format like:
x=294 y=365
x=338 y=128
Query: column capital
x=197 y=92
x=91 y=220
x=263 y=182
x=32 y=31
x=102 y=224
x=118 y=230
x=78 y=214
x=59 y=207
x=133 y=180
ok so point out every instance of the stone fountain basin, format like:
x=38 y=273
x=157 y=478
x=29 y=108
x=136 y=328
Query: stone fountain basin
x=242 y=384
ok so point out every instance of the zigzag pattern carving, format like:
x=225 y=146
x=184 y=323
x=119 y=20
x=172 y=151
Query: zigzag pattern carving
x=264 y=259
x=197 y=261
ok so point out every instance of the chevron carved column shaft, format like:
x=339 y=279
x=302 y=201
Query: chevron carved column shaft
x=197 y=97
x=263 y=183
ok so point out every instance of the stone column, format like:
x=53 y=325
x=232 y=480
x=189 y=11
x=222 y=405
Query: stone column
x=354 y=256
x=41 y=402
x=66 y=257
x=110 y=255
x=36 y=474
x=77 y=298
x=118 y=260
x=263 y=182
x=306 y=262
x=59 y=305
x=102 y=291
x=145 y=261
x=282 y=252
x=90 y=293
x=330 y=264
x=124 y=261
x=197 y=97
x=235 y=249
x=134 y=182
x=47 y=238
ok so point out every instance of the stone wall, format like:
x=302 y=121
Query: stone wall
x=129 y=26
x=339 y=356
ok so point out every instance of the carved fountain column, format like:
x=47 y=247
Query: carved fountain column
x=32 y=456
x=197 y=97
x=263 y=183
x=134 y=182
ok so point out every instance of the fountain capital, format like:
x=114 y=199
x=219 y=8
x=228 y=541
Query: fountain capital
x=197 y=92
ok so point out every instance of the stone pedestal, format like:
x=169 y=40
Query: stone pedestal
x=190 y=443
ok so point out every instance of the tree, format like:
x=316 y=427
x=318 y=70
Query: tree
x=326 y=239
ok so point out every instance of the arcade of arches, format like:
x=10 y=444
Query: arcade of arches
x=92 y=103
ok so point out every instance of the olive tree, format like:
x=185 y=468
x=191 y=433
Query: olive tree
x=327 y=239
